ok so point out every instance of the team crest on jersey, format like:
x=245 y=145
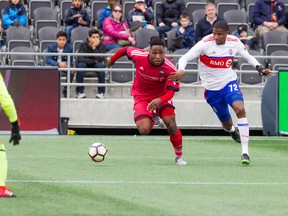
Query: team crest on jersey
x=161 y=72
x=230 y=51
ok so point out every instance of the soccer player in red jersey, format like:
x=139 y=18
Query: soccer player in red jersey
x=152 y=91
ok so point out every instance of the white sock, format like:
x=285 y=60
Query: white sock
x=243 y=128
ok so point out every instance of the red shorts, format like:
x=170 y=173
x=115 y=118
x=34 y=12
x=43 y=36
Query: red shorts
x=141 y=111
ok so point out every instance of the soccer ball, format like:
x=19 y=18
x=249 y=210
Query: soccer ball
x=97 y=152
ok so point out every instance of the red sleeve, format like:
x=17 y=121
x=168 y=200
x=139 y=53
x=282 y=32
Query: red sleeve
x=168 y=96
x=121 y=52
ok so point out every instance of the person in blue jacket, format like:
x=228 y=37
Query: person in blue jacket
x=14 y=14
x=185 y=33
x=76 y=16
x=141 y=13
x=106 y=12
x=61 y=46
x=269 y=15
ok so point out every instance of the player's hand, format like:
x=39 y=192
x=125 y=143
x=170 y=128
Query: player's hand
x=267 y=72
x=152 y=106
x=176 y=76
x=109 y=61
x=15 y=133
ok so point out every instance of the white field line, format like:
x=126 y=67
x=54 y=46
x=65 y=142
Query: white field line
x=143 y=182
x=136 y=157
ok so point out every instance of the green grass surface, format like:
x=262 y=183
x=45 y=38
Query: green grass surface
x=53 y=175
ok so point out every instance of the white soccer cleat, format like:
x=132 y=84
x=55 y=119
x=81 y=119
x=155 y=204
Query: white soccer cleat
x=81 y=95
x=180 y=161
x=100 y=96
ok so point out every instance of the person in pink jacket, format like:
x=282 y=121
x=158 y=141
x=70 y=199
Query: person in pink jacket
x=114 y=29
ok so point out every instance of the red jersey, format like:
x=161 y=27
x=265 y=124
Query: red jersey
x=151 y=81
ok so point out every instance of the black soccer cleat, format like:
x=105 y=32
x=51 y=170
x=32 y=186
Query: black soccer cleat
x=245 y=160
x=235 y=135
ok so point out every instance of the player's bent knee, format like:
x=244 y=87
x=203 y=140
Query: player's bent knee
x=240 y=112
x=144 y=131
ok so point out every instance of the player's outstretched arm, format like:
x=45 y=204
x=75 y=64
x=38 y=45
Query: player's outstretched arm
x=176 y=76
x=15 y=133
x=121 y=52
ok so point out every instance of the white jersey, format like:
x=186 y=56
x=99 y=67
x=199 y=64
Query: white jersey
x=215 y=61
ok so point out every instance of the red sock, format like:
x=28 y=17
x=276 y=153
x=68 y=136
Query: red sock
x=176 y=141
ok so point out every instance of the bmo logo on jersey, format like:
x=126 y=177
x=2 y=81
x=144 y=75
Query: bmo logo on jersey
x=216 y=62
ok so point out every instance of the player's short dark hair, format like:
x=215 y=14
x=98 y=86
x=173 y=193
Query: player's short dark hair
x=93 y=31
x=61 y=34
x=155 y=40
x=221 y=24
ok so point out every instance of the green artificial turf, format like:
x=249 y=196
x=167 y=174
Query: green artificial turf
x=53 y=175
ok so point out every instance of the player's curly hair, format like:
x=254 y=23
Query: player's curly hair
x=156 y=41
x=221 y=24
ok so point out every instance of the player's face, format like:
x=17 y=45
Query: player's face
x=61 y=41
x=156 y=55
x=220 y=36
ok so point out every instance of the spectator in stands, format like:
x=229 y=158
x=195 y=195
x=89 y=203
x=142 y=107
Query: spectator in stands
x=246 y=37
x=141 y=13
x=76 y=16
x=269 y=15
x=168 y=15
x=91 y=45
x=204 y=26
x=106 y=12
x=116 y=32
x=185 y=33
x=61 y=46
x=14 y=14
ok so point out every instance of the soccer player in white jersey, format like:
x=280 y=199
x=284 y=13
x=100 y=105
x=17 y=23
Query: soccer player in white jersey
x=216 y=53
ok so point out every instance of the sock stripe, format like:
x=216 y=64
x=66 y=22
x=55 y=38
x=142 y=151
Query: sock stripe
x=243 y=125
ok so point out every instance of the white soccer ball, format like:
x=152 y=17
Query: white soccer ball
x=97 y=152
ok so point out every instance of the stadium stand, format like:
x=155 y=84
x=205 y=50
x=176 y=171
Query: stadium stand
x=274 y=40
x=223 y=7
x=64 y=6
x=235 y=18
x=44 y=16
x=277 y=62
x=46 y=35
x=170 y=36
x=34 y=4
x=22 y=60
x=197 y=15
x=79 y=33
x=195 y=5
x=127 y=6
x=142 y=37
x=18 y=36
